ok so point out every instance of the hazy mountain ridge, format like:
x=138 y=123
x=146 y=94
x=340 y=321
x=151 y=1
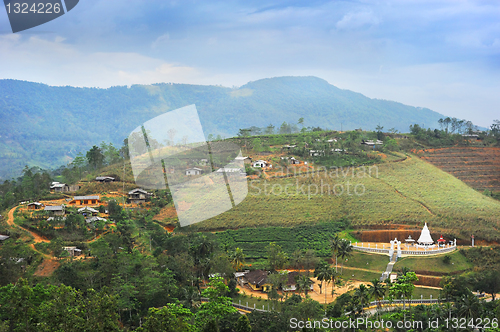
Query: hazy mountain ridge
x=46 y=126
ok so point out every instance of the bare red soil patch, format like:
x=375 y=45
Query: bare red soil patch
x=47 y=267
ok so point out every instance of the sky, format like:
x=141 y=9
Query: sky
x=439 y=54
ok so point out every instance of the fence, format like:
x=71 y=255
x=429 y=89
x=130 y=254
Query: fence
x=383 y=248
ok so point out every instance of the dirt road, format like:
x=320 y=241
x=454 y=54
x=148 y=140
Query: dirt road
x=10 y=221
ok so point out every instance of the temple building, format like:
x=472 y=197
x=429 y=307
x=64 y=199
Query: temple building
x=425 y=238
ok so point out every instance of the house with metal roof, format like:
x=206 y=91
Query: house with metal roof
x=104 y=179
x=88 y=211
x=138 y=196
x=194 y=171
x=55 y=210
x=35 y=206
x=85 y=200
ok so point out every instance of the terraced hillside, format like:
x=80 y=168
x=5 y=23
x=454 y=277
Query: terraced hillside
x=479 y=167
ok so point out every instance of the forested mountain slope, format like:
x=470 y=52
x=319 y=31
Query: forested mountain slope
x=47 y=126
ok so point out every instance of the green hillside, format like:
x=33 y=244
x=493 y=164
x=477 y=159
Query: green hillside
x=47 y=126
x=408 y=192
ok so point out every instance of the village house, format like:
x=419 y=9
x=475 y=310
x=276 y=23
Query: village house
x=194 y=171
x=56 y=210
x=471 y=136
x=85 y=200
x=261 y=164
x=294 y=161
x=291 y=282
x=316 y=153
x=87 y=211
x=372 y=142
x=4 y=237
x=104 y=179
x=59 y=187
x=138 y=196
x=94 y=219
x=35 y=206
x=73 y=251
x=257 y=280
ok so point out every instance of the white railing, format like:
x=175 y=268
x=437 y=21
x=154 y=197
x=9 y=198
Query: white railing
x=386 y=249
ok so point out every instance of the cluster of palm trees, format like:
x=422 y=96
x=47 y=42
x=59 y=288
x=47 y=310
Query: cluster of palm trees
x=340 y=248
x=325 y=274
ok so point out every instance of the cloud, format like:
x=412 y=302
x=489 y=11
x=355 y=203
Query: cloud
x=55 y=62
x=357 y=20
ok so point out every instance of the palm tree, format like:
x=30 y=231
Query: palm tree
x=322 y=273
x=377 y=291
x=237 y=259
x=310 y=259
x=296 y=259
x=333 y=276
x=363 y=294
x=468 y=305
x=344 y=252
x=303 y=284
x=335 y=246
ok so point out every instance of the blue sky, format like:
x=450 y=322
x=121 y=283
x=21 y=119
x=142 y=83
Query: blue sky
x=444 y=55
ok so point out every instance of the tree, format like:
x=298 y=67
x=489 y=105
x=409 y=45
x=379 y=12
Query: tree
x=489 y=283
x=323 y=274
x=243 y=324
x=303 y=284
x=468 y=305
x=377 y=291
x=333 y=278
x=403 y=287
x=380 y=134
x=446 y=123
x=495 y=129
x=218 y=304
x=345 y=251
x=269 y=130
x=95 y=157
x=171 y=318
x=310 y=259
x=276 y=257
x=362 y=293
x=296 y=259
x=335 y=246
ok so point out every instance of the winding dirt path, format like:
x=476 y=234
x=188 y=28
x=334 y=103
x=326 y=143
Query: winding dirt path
x=10 y=220
x=36 y=237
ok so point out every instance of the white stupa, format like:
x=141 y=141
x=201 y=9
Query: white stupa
x=425 y=238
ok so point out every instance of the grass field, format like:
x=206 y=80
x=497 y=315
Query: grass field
x=426 y=292
x=367 y=261
x=408 y=192
x=359 y=275
x=457 y=263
